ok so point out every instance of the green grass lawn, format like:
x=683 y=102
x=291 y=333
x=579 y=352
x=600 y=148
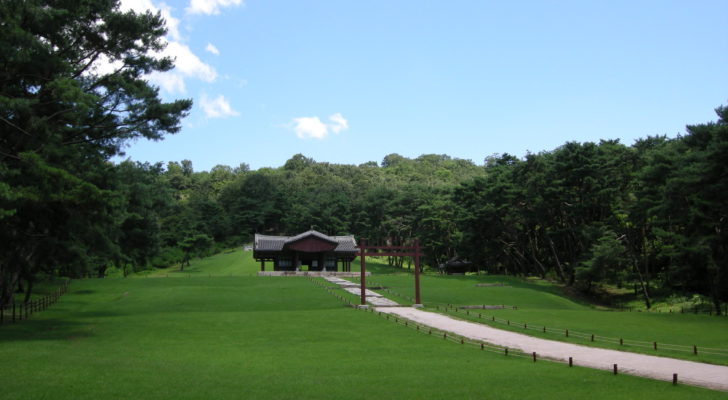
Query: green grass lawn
x=265 y=338
x=237 y=262
x=541 y=304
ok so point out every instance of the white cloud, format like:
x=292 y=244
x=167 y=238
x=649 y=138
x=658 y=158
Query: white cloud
x=169 y=81
x=212 y=49
x=188 y=63
x=210 y=7
x=312 y=127
x=338 y=123
x=217 y=107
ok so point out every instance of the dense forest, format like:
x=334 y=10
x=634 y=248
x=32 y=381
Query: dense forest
x=652 y=215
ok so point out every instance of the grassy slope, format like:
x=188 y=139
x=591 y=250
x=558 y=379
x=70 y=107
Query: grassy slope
x=540 y=304
x=241 y=263
x=264 y=338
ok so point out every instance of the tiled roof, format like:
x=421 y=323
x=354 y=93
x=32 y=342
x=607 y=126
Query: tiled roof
x=275 y=243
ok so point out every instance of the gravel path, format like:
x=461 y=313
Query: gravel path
x=373 y=298
x=693 y=373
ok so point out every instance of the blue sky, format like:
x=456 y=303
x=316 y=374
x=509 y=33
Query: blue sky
x=351 y=81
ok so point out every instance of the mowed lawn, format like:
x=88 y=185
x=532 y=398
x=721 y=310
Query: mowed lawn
x=236 y=262
x=541 y=304
x=265 y=338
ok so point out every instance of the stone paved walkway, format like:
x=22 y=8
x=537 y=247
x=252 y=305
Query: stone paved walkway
x=693 y=373
x=373 y=298
x=662 y=368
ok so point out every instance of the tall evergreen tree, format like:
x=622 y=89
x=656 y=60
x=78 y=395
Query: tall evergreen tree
x=62 y=117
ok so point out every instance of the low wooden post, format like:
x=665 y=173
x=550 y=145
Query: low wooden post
x=571 y=362
x=506 y=350
x=674 y=379
x=615 y=369
x=654 y=345
x=567 y=332
x=695 y=349
x=482 y=346
x=621 y=342
x=534 y=356
x=592 y=337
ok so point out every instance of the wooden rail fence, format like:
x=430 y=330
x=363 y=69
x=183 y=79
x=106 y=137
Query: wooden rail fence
x=16 y=312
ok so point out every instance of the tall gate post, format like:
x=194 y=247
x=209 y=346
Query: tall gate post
x=363 y=286
x=418 y=302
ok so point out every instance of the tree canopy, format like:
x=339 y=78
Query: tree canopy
x=72 y=94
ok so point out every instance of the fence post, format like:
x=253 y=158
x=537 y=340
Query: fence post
x=654 y=345
x=571 y=362
x=695 y=349
x=567 y=332
x=674 y=379
x=615 y=369
x=534 y=356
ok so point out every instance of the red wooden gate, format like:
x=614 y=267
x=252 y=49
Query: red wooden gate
x=389 y=251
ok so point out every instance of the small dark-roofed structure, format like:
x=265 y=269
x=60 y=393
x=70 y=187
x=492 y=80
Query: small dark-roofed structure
x=312 y=249
x=456 y=265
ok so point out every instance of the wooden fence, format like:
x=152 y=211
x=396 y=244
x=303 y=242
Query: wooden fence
x=21 y=311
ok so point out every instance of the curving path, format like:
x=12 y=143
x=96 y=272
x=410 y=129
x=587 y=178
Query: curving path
x=662 y=368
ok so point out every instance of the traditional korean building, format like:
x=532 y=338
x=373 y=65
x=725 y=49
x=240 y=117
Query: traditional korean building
x=308 y=251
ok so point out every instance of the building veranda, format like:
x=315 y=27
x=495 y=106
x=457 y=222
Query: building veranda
x=308 y=251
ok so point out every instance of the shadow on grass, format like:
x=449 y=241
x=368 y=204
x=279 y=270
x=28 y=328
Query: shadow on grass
x=54 y=329
x=86 y=291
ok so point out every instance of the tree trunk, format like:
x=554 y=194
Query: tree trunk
x=8 y=288
x=559 y=267
x=28 y=291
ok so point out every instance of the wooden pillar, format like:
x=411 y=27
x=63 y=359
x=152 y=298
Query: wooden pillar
x=322 y=261
x=362 y=243
x=262 y=265
x=417 y=272
x=295 y=260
